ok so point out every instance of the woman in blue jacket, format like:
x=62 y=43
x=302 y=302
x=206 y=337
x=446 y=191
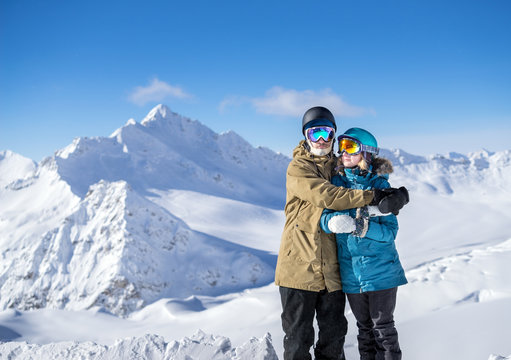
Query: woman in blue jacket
x=369 y=262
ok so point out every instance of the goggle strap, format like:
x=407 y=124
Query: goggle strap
x=367 y=148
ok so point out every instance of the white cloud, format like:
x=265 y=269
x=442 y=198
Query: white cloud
x=290 y=102
x=156 y=91
x=233 y=100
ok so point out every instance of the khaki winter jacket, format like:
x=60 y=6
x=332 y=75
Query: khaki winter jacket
x=308 y=257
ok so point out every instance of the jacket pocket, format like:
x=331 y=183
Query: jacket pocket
x=303 y=244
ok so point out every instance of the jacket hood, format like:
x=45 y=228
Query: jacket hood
x=300 y=150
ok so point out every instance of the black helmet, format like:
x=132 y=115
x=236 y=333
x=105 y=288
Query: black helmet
x=317 y=114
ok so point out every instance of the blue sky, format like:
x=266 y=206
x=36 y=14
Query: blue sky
x=425 y=76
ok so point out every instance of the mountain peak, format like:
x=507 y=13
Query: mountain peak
x=157 y=113
x=399 y=156
x=483 y=153
x=14 y=166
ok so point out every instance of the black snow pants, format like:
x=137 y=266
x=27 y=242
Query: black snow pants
x=298 y=310
x=377 y=335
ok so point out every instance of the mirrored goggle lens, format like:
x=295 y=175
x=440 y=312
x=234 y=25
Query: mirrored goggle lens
x=350 y=146
x=316 y=133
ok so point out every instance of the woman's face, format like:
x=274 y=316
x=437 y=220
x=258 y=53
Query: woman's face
x=351 y=160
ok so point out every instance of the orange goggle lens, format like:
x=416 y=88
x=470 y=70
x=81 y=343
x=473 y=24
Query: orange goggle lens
x=350 y=146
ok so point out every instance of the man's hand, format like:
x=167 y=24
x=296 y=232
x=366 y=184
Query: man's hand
x=390 y=200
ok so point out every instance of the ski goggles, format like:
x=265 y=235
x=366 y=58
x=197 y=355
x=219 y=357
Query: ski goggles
x=325 y=132
x=353 y=146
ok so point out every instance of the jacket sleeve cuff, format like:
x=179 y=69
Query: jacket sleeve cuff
x=362 y=222
x=368 y=197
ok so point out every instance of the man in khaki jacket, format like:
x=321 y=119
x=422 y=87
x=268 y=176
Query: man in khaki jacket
x=307 y=268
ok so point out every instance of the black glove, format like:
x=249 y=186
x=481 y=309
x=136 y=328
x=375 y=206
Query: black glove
x=391 y=199
x=379 y=194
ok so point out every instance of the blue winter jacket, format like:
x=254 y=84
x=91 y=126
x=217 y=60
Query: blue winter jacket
x=368 y=263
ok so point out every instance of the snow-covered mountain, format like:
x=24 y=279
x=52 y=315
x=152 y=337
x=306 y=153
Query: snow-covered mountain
x=14 y=167
x=165 y=226
x=77 y=231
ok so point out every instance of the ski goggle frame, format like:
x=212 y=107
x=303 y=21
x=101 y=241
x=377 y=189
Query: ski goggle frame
x=353 y=147
x=320 y=132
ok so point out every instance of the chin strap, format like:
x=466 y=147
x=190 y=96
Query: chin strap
x=306 y=145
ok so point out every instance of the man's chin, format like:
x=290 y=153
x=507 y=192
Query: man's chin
x=319 y=149
x=320 y=152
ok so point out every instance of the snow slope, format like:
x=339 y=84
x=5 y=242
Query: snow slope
x=119 y=251
x=136 y=241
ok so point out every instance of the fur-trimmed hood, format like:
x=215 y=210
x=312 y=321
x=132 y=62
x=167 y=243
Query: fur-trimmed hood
x=382 y=166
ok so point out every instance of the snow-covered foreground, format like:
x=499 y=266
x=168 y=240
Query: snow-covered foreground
x=456 y=305
x=148 y=347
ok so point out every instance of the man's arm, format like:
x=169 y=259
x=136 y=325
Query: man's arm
x=307 y=185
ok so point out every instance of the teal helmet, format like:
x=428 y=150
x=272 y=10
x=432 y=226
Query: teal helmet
x=368 y=143
x=363 y=136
